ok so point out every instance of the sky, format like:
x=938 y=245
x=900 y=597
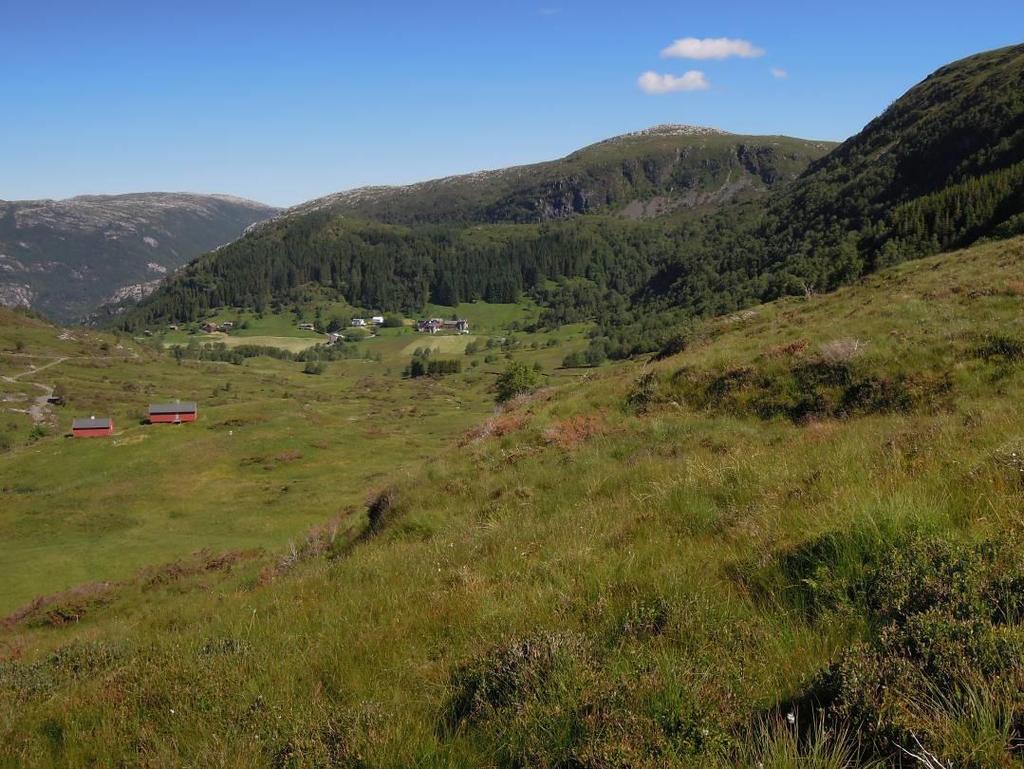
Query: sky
x=286 y=101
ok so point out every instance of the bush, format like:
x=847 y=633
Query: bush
x=643 y=393
x=424 y=365
x=507 y=676
x=393 y=321
x=574 y=360
x=942 y=618
x=517 y=379
x=440 y=367
x=381 y=509
x=316 y=367
x=824 y=387
x=674 y=345
x=1000 y=348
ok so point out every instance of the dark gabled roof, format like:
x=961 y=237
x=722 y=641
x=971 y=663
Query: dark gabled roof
x=91 y=423
x=185 y=407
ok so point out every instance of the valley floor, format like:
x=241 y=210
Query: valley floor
x=812 y=511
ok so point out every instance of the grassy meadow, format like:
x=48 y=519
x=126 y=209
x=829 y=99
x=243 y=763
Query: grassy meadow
x=275 y=451
x=813 y=511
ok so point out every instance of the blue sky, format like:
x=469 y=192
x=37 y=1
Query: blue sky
x=283 y=102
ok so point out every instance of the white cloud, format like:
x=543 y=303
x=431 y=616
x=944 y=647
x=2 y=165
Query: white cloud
x=711 y=48
x=779 y=73
x=653 y=82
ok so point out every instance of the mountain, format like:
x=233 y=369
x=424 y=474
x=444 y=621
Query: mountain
x=474 y=236
x=643 y=174
x=939 y=169
x=66 y=257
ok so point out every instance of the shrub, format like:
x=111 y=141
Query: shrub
x=644 y=393
x=569 y=433
x=1000 y=348
x=517 y=379
x=381 y=508
x=942 y=617
x=674 y=345
x=574 y=360
x=441 y=367
x=417 y=367
x=315 y=367
x=507 y=676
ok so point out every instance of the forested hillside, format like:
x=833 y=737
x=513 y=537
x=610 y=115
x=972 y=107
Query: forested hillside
x=943 y=166
x=877 y=199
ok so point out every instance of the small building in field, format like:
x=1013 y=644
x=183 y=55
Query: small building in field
x=359 y=321
x=210 y=327
x=92 y=427
x=377 y=320
x=307 y=327
x=173 y=413
x=227 y=325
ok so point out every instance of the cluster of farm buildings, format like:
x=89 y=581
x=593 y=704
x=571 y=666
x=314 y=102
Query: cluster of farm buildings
x=159 y=413
x=426 y=326
x=437 y=325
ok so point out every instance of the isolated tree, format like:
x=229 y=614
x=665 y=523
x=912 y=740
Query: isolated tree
x=517 y=379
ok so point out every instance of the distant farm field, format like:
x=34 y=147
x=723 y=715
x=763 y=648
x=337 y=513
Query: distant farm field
x=290 y=343
x=445 y=345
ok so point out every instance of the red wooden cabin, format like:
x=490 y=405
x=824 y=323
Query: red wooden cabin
x=173 y=413
x=92 y=427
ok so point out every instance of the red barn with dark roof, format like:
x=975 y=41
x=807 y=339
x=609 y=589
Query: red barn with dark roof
x=92 y=427
x=173 y=413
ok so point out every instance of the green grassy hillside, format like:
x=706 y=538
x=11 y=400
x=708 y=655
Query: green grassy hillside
x=811 y=511
x=276 y=449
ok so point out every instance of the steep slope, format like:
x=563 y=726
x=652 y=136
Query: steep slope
x=813 y=510
x=644 y=174
x=66 y=257
x=943 y=166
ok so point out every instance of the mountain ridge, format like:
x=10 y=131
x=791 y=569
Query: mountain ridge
x=656 y=148
x=65 y=257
